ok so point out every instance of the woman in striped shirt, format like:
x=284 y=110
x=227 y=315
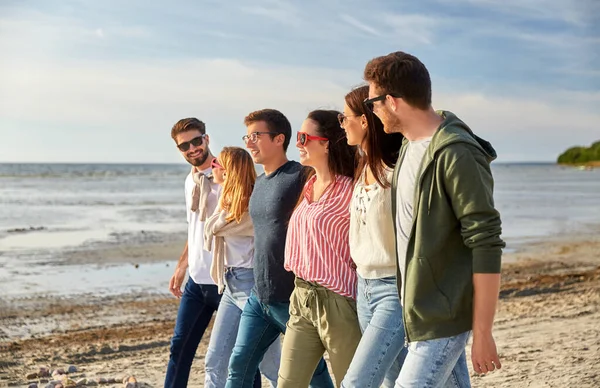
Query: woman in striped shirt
x=381 y=351
x=322 y=306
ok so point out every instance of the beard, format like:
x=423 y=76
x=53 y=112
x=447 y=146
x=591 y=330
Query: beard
x=199 y=160
x=391 y=123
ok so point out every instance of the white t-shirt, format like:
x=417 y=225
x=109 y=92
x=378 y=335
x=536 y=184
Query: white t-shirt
x=239 y=251
x=405 y=196
x=199 y=260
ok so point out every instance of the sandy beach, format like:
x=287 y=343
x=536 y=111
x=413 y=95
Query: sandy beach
x=546 y=328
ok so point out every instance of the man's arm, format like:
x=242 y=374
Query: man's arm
x=469 y=184
x=484 y=354
x=180 y=269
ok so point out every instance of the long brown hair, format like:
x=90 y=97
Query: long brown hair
x=381 y=149
x=239 y=183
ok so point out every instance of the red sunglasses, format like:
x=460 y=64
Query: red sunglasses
x=215 y=164
x=303 y=137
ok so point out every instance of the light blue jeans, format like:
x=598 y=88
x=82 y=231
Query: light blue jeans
x=440 y=362
x=381 y=350
x=238 y=284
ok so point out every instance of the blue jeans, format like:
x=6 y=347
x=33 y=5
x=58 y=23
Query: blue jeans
x=238 y=284
x=381 y=352
x=197 y=305
x=440 y=362
x=260 y=326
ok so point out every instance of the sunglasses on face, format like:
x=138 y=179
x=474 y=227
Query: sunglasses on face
x=196 y=142
x=215 y=164
x=304 y=137
x=370 y=102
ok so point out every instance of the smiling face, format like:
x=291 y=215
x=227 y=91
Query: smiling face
x=267 y=147
x=196 y=155
x=314 y=152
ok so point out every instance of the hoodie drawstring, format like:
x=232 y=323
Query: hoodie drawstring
x=432 y=185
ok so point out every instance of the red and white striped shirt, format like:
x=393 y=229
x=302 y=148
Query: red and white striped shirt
x=317 y=245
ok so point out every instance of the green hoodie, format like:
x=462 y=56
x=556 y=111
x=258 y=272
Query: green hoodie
x=455 y=233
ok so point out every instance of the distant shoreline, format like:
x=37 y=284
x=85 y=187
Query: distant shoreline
x=595 y=163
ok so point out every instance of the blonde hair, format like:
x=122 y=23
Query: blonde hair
x=238 y=186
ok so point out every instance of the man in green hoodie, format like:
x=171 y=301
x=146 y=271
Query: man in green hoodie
x=447 y=228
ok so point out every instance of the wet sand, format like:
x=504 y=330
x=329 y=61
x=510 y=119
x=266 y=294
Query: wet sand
x=546 y=327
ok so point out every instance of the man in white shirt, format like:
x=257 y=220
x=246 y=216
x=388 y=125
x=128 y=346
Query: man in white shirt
x=200 y=297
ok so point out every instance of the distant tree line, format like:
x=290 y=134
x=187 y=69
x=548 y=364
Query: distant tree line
x=581 y=155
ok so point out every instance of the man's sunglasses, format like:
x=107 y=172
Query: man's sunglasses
x=215 y=164
x=304 y=137
x=369 y=102
x=196 y=142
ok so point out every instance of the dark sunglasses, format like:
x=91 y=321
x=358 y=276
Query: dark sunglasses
x=196 y=142
x=369 y=102
x=304 y=137
x=215 y=164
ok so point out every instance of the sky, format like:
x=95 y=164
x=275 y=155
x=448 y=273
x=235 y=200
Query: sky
x=104 y=81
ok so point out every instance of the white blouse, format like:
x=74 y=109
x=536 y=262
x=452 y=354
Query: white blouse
x=372 y=244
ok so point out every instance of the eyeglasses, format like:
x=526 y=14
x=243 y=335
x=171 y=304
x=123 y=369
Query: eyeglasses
x=196 y=142
x=215 y=164
x=342 y=118
x=253 y=137
x=369 y=102
x=304 y=137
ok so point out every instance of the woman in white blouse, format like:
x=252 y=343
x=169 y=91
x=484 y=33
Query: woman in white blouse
x=381 y=351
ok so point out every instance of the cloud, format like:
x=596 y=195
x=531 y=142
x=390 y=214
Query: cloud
x=411 y=30
x=100 y=33
x=526 y=128
x=358 y=24
x=280 y=11
x=579 y=13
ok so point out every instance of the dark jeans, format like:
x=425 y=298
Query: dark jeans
x=198 y=303
x=196 y=308
x=262 y=324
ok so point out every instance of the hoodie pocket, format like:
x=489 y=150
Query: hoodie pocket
x=429 y=303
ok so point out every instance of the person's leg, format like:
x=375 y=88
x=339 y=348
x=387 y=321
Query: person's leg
x=460 y=374
x=269 y=366
x=280 y=314
x=339 y=331
x=196 y=308
x=436 y=363
x=302 y=347
x=381 y=351
x=255 y=334
x=364 y=307
x=239 y=283
x=222 y=340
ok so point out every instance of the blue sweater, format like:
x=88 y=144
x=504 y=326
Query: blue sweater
x=271 y=205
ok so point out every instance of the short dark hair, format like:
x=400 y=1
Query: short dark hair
x=276 y=122
x=402 y=75
x=189 y=124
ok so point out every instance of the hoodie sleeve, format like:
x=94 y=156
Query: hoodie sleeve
x=469 y=185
